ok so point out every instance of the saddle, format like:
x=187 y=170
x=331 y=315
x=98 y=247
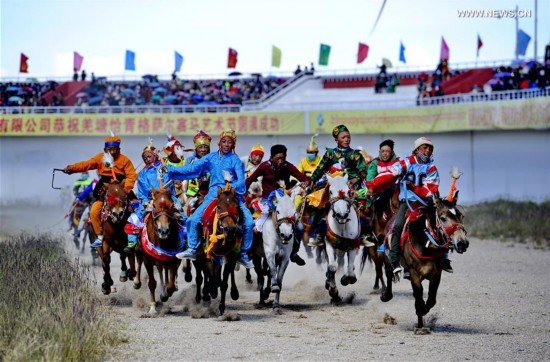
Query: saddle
x=208 y=218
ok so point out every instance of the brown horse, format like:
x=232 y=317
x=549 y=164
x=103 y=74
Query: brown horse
x=222 y=222
x=428 y=234
x=159 y=243
x=383 y=207
x=114 y=215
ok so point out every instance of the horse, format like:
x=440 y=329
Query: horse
x=343 y=234
x=278 y=239
x=222 y=225
x=114 y=215
x=75 y=215
x=424 y=247
x=384 y=206
x=159 y=243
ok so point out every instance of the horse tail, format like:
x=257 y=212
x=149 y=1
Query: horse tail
x=364 y=257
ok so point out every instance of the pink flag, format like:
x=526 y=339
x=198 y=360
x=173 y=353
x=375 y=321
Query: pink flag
x=362 y=53
x=444 y=50
x=78 y=59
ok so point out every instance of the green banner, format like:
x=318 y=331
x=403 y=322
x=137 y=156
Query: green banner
x=276 y=55
x=324 y=53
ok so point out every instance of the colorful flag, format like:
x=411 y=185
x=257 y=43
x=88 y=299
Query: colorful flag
x=402 y=53
x=77 y=61
x=522 y=42
x=479 y=45
x=232 y=58
x=362 y=53
x=130 y=63
x=324 y=53
x=23 y=66
x=179 y=61
x=276 y=55
x=444 y=55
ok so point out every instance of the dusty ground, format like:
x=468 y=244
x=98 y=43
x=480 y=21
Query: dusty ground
x=494 y=307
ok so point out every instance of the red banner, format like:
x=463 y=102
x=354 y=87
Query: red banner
x=232 y=58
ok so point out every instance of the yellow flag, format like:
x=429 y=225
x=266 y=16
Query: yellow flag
x=275 y=56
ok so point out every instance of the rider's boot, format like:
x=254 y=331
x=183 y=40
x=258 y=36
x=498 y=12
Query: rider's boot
x=369 y=240
x=245 y=261
x=294 y=257
x=447 y=265
x=98 y=242
x=189 y=253
x=132 y=240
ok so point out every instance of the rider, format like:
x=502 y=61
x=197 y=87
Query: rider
x=200 y=184
x=80 y=184
x=122 y=169
x=253 y=160
x=147 y=179
x=214 y=163
x=419 y=181
x=352 y=160
x=274 y=172
x=174 y=151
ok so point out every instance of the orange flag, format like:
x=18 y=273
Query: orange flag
x=232 y=58
x=23 y=66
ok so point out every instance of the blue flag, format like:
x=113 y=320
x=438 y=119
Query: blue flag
x=179 y=61
x=402 y=53
x=522 y=42
x=130 y=63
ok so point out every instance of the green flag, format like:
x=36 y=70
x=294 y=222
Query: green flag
x=275 y=56
x=324 y=53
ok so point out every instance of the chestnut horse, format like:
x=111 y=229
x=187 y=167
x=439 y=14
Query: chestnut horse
x=382 y=210
x=114 y=214
x=424 y=247
x=158 y=246
x=222 y=229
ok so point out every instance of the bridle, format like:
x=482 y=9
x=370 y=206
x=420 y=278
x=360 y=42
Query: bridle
x=342 y=196
x=284 y=220
x=111 y=201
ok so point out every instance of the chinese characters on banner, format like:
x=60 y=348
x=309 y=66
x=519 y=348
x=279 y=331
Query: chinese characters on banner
x=150 y=124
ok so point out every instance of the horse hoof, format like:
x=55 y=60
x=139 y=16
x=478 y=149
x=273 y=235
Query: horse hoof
x=422 y=331
x=275 y=288
x=386 y=298
x=123 y=279
x=137 y=285
x=164 y=298
x=235 y=294
x=344 y=281
x=352 y=280
x=188 y=277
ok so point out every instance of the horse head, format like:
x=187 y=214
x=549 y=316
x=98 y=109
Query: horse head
x=284 y=217
x=449 y=221
x=340 y=201
x=227 y=212
x=163 y=211
x=115 y=201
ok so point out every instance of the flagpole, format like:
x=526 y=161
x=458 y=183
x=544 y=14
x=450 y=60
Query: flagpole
x=517 y=29
x=536 y=21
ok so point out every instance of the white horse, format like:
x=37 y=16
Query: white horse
x=278 y=238
x=343 y=234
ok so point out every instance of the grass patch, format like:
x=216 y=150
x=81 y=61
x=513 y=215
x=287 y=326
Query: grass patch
x=524 y=222
x=48 y=310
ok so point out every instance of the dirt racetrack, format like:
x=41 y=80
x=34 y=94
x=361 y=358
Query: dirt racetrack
x=494 y=307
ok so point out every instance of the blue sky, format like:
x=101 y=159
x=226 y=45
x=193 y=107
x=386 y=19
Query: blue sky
x=48 y=31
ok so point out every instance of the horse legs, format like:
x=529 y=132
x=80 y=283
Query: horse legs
x=137 y=280
x=419 y=304
x=163 y=277
x=387 y=294
x=261 y=278
x=170 y=274
x=349 y=277
x=234 y=290
x=198 y=281
x=432 y=291
x=107 y=280
x=227 y=270
x=330 y=283
x=124 y=269
x=187 y=270
x=280 y=274
x=152 y=284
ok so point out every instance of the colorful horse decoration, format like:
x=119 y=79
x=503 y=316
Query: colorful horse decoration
x=158 y=246
x=428 y=235
x=114 y=215
x=222 y=230
x=343 y=234
x=277 y=241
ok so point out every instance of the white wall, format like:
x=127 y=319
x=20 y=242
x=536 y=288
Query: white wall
x=514 y=165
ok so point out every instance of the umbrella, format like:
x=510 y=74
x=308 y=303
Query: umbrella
x=197 y=98
x=15 y=99
x=13 y=88
x=171 y=99
x=387 y=62
x=234 y=74
x=95 y=100
x=82 y=95
x=160 y=90
x=127 y=92
x=156 y=98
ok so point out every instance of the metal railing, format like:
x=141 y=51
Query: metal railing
x=385 y=103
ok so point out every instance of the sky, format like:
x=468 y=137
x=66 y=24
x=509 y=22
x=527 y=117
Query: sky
x=49 y=31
